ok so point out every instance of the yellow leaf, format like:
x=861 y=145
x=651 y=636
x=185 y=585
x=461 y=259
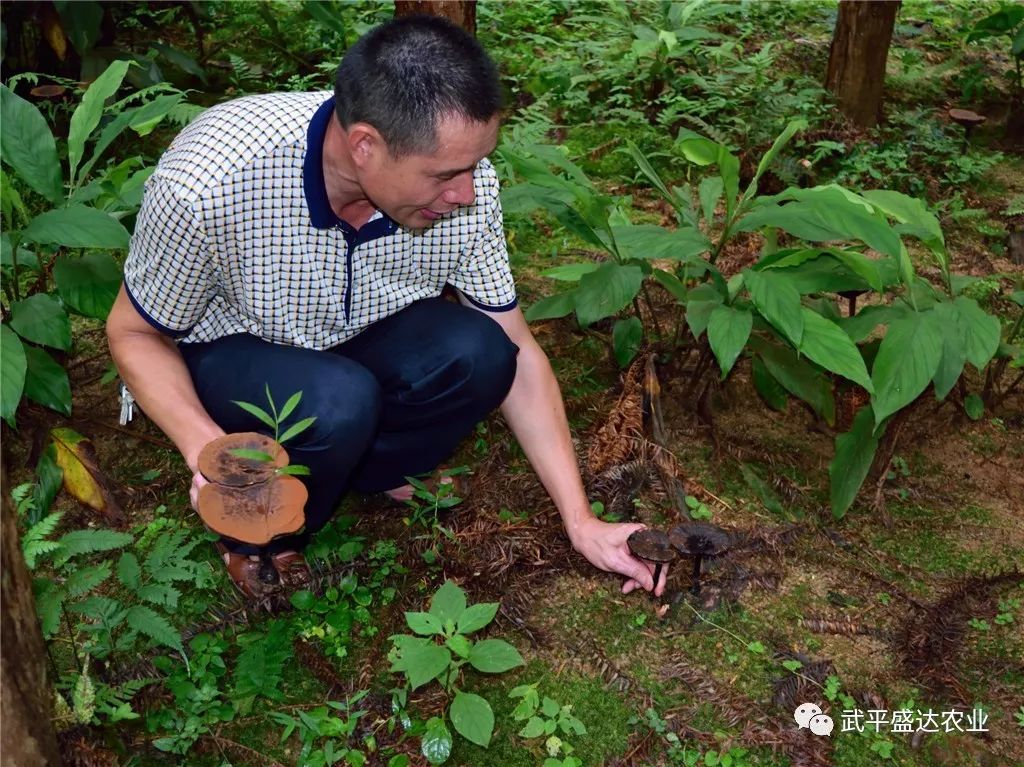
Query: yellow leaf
x=82 y=476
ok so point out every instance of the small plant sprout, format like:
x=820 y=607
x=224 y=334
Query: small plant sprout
x=275 y=420
x=438 y=650
x=545 y=718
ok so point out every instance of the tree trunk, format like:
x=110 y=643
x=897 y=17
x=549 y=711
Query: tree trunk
x=28 y=736
x=459 y=12
x=856 y=64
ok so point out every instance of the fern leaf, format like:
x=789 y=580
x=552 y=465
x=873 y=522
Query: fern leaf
x=160 y=594
x=147 y=621
x=90 y=541
x=87 y=578
x=36 y=550
x=261 y=664
x=128 y=570
x=49 y=598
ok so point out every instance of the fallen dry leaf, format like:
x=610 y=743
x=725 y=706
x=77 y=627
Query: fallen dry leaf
x=83 y=478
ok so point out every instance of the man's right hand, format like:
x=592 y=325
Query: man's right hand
x=198 y=480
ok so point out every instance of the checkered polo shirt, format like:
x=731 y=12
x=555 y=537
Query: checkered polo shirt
x=236 y=235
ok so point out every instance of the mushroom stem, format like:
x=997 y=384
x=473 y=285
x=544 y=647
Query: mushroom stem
x=657 y=575
x=695 y=589
x=268 y=572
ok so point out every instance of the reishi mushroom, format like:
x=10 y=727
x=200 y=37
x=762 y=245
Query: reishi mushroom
x=654 y=546
x=701 y=541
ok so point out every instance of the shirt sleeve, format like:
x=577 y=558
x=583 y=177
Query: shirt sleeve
x=168 y=274
x=484 y=275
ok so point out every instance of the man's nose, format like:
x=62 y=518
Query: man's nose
x=461 y=191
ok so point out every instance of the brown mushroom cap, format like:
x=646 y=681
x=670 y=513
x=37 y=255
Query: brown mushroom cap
x=700 y=539
x=652 y=545
x=966 y=118
x=254 y=513
x=218 y=464
x=48 y=91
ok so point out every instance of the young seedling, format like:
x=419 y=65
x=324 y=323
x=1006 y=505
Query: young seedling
x=275 y=420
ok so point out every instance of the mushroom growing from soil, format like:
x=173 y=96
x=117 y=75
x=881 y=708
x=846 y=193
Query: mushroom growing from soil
x=701 y=541
x=654 y=546
x=247 y=499
x=969 y=120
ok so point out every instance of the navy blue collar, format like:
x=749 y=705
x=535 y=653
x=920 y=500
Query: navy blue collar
x=321 y=214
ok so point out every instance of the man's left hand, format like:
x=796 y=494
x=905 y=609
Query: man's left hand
x=604 y=546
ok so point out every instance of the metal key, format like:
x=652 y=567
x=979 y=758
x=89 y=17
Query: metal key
x=127 y=404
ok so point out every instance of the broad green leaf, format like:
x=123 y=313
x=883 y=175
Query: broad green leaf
x=777 y=301
x=303 y=599
x=147 y=117
x=88 y=284
x=533 y=728
x=974 y=406
x=459 y=645
x=855 y=451
x=729 y=169
x=982 y=331
x=424 y=624
x=697 y=149
x=110 y=131
x=866 y=268
x=552 y=307
x=771 y=391
x=472 y=717
x=710 y=192
x=14 y=365
x=606 y=291
x=954 y=349
x=87 y=115
x=627 y=336
x=569 y=272
x=906 y=269
x=703 y=300
x=181 y=60
x=648 y=170
x=785 y=257
x=672 y=284
x=419 y=659
x=436 y=745
x=650 y=241
x=41 y=319
x=915 y=219
x=475 y=617
x=794 y=127
x=867 y=319
x=448 y=602
x=81 y=22
x=824 y=214
x=728 y=331
x=907 y=360
x=494 y=656
x=46 y=382
x=799 y=377
x=147 y=621
x=827 y=344
x=77 y=226
x=28 y=146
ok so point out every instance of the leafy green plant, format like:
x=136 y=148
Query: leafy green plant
x=274 y=420
x=782 y=312
x=439 y=649
x=1007 y=22
x=336 y=722
x=426 y=504
x=545 y=718
x=61 y=228
x=331 y=618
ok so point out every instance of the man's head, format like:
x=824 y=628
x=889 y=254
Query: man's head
x=418 y=100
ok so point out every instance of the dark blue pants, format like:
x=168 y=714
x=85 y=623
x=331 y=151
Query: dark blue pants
x=394 y=401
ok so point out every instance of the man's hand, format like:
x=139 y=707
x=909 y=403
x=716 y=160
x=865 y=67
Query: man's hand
x=604 y=546
x=198 y=480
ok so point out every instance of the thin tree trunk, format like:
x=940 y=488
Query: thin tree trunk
x=460 y=12
x=28 y=737
x=856 y=64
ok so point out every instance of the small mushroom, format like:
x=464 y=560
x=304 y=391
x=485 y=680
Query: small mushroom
x=654 y=546
x=701 y=541
x=48 y=91
x=969 y=120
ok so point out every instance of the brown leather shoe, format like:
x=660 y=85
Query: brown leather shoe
x=244 y=573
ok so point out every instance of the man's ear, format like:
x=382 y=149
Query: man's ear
x=365 y=144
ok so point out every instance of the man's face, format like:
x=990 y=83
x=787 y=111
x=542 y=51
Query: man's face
x=417 y=189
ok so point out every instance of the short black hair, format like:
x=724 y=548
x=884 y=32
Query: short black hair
x=404 y=75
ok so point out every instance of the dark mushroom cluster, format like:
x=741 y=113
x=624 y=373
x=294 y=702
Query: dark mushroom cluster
x=695 y=540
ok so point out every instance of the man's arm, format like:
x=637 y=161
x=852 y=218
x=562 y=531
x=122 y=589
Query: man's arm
x=154 y=371
x=536 y=415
